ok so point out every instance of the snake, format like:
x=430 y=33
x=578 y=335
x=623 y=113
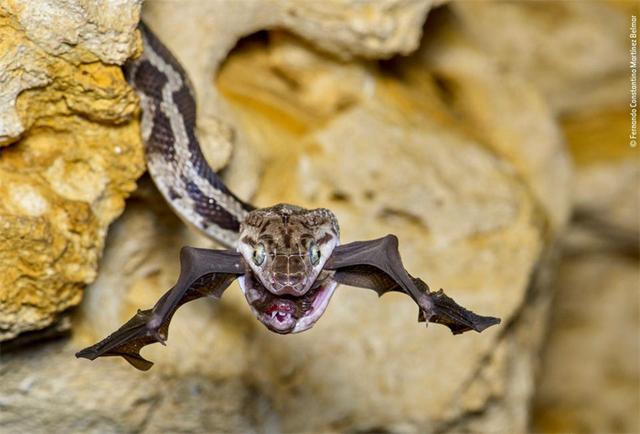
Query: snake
x=173 y=154
x=287 y=259
x=299 y=242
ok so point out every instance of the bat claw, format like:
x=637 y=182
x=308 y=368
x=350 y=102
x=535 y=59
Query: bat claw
x=159 y=336
x=424 y=315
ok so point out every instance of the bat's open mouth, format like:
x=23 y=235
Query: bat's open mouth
x=287 y=313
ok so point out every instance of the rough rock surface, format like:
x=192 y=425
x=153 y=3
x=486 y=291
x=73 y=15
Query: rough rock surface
x=390 y=159
x=372 y=28
x=590 y=375
x=574 y=52
x=446 y=148
x=71 y=154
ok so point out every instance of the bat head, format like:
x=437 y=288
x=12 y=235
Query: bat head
x=285 y=248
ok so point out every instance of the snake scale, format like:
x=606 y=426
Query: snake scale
x=174 y=158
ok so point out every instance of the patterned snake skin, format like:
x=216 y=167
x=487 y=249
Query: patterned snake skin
x=174 y=158
x=288 y=260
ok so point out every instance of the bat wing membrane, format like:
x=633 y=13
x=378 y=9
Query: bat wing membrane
x=203 y=273
x=377 y=265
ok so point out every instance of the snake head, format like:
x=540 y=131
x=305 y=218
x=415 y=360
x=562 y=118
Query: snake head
x=285 y=248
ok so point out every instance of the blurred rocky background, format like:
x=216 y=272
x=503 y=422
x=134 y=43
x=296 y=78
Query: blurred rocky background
x=491 y=137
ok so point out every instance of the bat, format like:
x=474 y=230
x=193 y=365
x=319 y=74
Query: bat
x=288 y=262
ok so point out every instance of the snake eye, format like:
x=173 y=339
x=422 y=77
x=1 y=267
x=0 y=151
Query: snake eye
x=314 y=254
x=259 y=255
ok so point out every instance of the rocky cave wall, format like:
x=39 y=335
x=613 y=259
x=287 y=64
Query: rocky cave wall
x=428 y=121
x=70 y=152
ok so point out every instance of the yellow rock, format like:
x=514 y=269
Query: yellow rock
x=72 y=155
x=456 y=148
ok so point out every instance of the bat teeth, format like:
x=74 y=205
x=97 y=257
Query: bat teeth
x=280 y=316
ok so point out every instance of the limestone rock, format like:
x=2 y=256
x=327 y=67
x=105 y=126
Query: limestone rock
x=491 y=101
x=382 y=145
x=429 y=147
x=590 y=375
x=72 y=155
x=111 y=399
x=42 y=42
x=392 y=158
x=575 y=53
x=370 y=28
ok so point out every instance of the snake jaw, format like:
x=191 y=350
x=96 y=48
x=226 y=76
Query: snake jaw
x=286 y=306
x=285 y=249
x=318 y=307
x=288 y=313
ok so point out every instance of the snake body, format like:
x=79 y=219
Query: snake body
x=285 y=246
x=173 y=155
x=287 y=259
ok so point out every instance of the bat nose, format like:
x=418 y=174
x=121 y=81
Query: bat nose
x=288 y=273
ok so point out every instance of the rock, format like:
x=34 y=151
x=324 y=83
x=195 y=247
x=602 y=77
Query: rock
x=55 y=44
x=382 y=146
x=575 y=53
x=391 y=158
x=112 y=399
x=489 y=101
x=371 y=28
x=458 y=156
x=72 y=152
x=591 y=377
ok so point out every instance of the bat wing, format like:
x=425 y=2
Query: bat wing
x=203 y=272
x=377 y=265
